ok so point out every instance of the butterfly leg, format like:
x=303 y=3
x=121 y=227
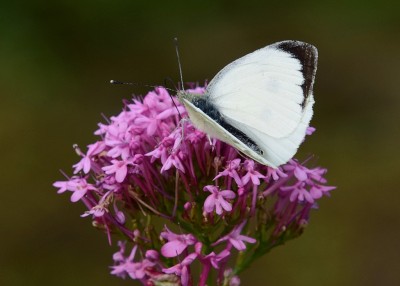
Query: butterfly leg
x=211 y=142
x=181 y=124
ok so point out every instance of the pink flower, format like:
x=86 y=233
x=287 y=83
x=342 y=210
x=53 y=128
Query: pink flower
x=298 y=192
x=181 y=269
x=317 y=191
x=149 y=165
x=231 y=171
x=275 y=174
x=119 y=215
x=174 y=160
x=119 y=138
x=62 y=186
x=125 y=265
x=233 y=280
x=217 y=200
x=194 y=136
x=251 y=175
x=97 y=211
x=176 y=244
x=310 y=130
x=119 y=168
x=149 y=124
x=236 y=239
x=86 y=162
x=308 y=187
x=216 y=259
x=79 y=187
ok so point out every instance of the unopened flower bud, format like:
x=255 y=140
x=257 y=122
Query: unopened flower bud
x=187 y=206
x=152 y=254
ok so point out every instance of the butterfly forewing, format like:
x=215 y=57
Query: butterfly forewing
x=267 y=97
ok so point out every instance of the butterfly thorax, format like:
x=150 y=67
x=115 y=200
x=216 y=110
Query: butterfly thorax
x=202 y=102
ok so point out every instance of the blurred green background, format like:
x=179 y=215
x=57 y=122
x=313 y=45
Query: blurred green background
x=56 y=58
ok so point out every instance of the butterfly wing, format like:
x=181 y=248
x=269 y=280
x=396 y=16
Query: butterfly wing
x=204 y=122
x=267 y=95
x=278 y=151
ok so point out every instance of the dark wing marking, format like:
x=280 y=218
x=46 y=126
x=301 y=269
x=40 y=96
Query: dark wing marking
x=208 y=108
x=308 y=56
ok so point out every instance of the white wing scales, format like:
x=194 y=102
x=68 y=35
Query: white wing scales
x=205 y=123
x=265 y=84
x=262 y=95
x=278 y=151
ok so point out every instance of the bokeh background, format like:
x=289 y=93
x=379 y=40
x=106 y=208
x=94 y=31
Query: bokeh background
x=56 y=58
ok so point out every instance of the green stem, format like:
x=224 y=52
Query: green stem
x=245 y=262
x=189 y=228
x=264 y=247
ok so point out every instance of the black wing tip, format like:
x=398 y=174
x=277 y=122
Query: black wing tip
x=307 y=54
x=290 y=44
x=299 y=50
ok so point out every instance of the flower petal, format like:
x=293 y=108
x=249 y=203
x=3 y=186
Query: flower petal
x=228 y=194
x=209 y=204
x=173 y=248
x=120 y=174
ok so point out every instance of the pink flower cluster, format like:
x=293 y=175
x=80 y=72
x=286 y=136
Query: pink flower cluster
x=149 y=166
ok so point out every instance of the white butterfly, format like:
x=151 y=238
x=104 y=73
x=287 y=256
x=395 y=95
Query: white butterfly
x=261 y=104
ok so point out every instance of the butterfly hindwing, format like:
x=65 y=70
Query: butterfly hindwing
x=209 y=125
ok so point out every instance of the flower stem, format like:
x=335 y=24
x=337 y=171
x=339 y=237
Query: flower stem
x=204 y=274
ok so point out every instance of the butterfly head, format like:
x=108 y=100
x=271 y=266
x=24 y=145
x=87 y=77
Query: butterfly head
x=184 y=95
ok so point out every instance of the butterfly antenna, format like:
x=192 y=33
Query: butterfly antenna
x=169 y=80
x=137 y=84
x=179 y=61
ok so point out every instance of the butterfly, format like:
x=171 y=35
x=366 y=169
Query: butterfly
x=261 y=103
